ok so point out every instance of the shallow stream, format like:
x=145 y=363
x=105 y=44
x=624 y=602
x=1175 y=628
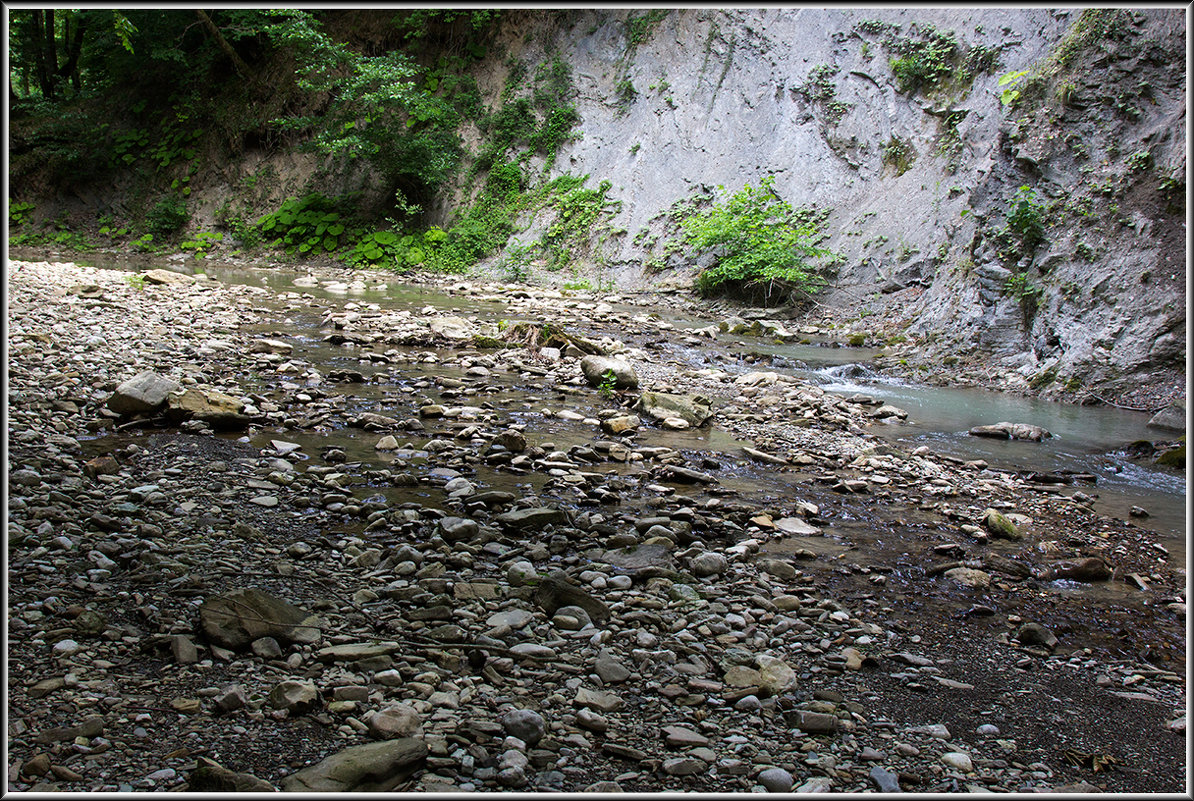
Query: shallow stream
x=1085 y=439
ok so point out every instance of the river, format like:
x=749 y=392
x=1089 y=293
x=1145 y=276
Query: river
x=1086 y=439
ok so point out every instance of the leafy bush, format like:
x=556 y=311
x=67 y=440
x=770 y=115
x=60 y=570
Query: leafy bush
x=766 y=246
x=18 y=213
x=394 y=250
x=924 y=64
x=1026 y=218
x=202 y=242
x=304 y=224
x=167 y=216
x=516 y=262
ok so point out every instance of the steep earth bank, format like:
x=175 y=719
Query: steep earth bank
x=412 y=552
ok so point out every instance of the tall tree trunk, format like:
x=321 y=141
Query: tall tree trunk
x=242 y=68
x=72 y=47
x=45 y=79
x=51 y=53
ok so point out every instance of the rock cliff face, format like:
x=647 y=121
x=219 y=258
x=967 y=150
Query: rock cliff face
x=917 y=182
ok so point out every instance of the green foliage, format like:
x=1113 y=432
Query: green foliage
x=1044 y=378
x=111 y=230
x=1019 y=287
x=304 y=225
x=639 y=28
x=1173 y=190
x=202 y=242
x=609 y=382
x=136 y=281
x=926 y=63
x=577 y=211
x=235 y=223
x=626 y=94
x=62 y=238
x=898 y=154
x=128 y=145
x=18 y=213
x=167 y=216
x=145 y=244
x=818 y=88
x=377 y=109
x=541 y=122
x=1025 y=218
x=765 y=248
x=1010 y=95
x=1095 y=27
x=876 y=27
x=1140 y=161
x=928 y=60
x=460 y=26
x=396 y=250
x=516 y=262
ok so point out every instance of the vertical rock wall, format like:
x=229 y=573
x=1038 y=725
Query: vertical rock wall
x=916 y=185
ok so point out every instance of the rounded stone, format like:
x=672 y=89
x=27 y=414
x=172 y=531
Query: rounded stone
x=709 y=564
x=958 y=761
x=776 y=780
x=525 y=724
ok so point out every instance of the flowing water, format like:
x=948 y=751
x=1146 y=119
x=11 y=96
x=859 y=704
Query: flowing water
x=1085 y=439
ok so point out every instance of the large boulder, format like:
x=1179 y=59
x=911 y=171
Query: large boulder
x=1011 y=431
x=755 y=328
x=1000 y=526
x=144 y=393
x=639 y=557
x=237 y=618
x=693 y=409
x=209 y=405
x=556 y=590
x=534 y=517
x=211 y=777
x=596 y=370
x=1171 y=418
x=372 y=767
x=455 y=328
x=160 y=276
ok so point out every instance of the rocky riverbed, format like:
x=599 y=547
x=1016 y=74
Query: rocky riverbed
x=422 y=552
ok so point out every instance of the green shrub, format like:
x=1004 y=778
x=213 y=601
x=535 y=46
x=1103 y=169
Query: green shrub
x=202 y=242
x=394 y=250
x=18 y=213
x=167 y=216
x=1026 y=218
x=516 y=262
x=924 y=64
x=767 y=248
x=304 y=225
